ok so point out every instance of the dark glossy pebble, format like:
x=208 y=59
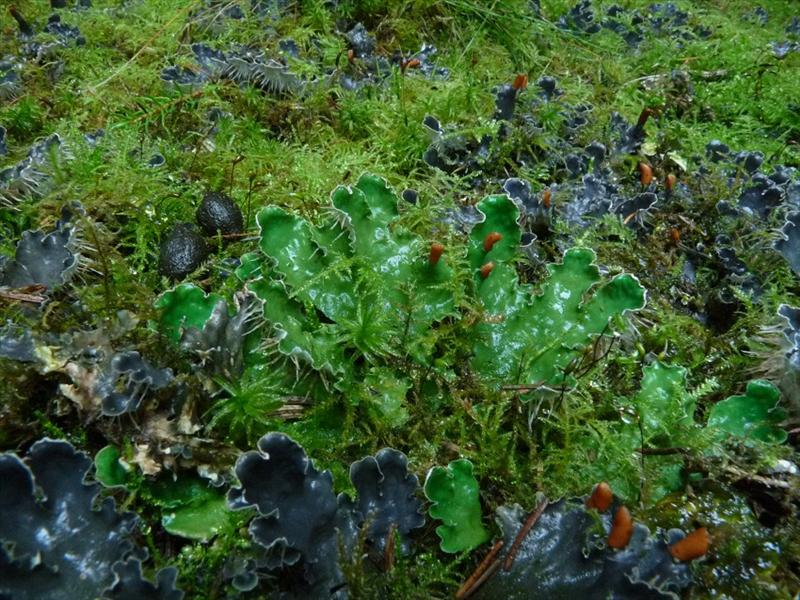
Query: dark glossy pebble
x=218 y=212
x=182 y=252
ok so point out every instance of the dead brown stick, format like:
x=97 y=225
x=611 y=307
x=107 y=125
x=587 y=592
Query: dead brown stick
x=388 y=552
x=660 y=451
x=525 y=387
x=482 y=579
x=467 y=586
x=231 y=236
x=523 y=533
x=170 y=104
x=21 y=297
x=734 y=474
x=627 y=219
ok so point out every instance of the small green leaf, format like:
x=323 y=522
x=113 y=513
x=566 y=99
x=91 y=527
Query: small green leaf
x=184 y=306
x=453 y=492
x=250 y=265
x=200 y=521
x=385 y=397
x=670 y=478
x=660 y=415
x=190 y=507
x=649 y=148
x=109 y=472
x=308 y=269
x=754 y=415
x=662 y=402
x=297 y=334
x=678 y=160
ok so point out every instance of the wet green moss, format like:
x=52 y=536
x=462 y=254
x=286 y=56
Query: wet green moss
x=292 y=151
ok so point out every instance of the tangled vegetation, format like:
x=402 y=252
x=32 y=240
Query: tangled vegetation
x=396 y=299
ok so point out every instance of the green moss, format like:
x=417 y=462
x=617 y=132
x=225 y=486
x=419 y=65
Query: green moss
x=280 y=157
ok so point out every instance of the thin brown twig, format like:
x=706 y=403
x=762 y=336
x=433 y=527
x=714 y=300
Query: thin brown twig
x=467 y=587
x=596 y=359
x=731 y=473
x=482 y=579
x=737 y=475
x=388 y=553
x=532 y=387
x=231 y=236
x=21 y=297
x=660 y=451
x=525 y=387
x=523 y=533
x=93 y=89
x=170 y=104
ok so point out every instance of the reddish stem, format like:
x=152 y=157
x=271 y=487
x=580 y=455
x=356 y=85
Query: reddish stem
x=467 y=587
x=523 y=533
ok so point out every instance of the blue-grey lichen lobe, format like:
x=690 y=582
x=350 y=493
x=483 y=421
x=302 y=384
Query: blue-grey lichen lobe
x=565 y=556
x=219 y=213
x=59 y=541
x=386 y=498
x=182 y=252
x=42 y=536
x=41 y=259
x=302 y=522
x=17 y=343
x=127 y=380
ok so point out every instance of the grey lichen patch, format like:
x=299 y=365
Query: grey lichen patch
x=302 y=523
x=46 y=259
x=53 y=537
x=565 y=555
